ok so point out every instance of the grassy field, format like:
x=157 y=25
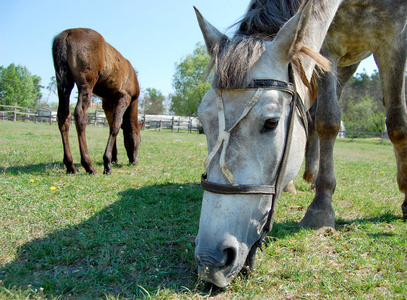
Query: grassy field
x=127 y=235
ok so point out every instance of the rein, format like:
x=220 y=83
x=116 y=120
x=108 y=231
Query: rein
x=297 y=106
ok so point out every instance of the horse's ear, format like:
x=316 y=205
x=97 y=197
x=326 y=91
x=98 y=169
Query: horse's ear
x=211 y=35
x=304 y=34
x=289 y=40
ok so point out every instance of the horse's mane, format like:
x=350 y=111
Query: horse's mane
x=232 y=59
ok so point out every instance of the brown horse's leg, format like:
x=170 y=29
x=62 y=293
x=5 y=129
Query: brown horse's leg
x=115 y=124
x=392 y=66
x=114 y=153
x=131 y=132
x=64 y=121
x=81 y=120
x=108 y=109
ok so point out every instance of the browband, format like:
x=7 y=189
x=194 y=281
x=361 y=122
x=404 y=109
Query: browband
x=272 y=83
x=236 y=189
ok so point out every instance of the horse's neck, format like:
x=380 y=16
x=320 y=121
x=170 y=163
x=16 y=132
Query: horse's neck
x=317 y=23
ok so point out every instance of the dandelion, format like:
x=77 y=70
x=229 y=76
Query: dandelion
x=32 y=180
x=37 y=179
x=120 y=171
x=52 y=188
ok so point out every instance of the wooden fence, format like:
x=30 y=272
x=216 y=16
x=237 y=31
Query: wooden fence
x=150 y=122
x=98 y=118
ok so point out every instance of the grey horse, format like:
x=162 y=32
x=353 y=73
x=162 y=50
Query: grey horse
x=254 y=117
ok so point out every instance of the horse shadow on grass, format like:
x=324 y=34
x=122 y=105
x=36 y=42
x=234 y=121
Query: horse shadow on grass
x=140 y=244
x=42 y=168
x=137 y=246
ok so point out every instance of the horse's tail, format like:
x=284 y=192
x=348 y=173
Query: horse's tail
x=60 y=57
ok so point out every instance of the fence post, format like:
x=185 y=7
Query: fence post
x=144 y=122
x=50 y=117
x=179 y=124
x=172 y=124
x=15 y=112
x=159 y=129
x=96 y=117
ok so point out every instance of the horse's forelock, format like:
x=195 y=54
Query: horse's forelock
x=233 y=59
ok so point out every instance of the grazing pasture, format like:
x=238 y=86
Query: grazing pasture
x=127 y=235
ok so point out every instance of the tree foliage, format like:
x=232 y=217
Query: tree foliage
x=189 y=82
x=18 y=85
x=362 y=105
x=152 y=102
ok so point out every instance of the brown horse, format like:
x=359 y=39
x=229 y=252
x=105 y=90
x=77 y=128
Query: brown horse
x=82 y=56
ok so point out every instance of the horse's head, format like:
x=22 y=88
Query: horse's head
x=255 y=124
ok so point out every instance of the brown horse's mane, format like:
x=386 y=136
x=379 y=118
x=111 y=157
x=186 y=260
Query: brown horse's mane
x=233 y=58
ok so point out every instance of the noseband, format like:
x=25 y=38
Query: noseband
x=296 y=105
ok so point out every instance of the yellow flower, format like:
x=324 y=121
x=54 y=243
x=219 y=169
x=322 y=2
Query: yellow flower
x=52 y=188
x=37 y=179
x=32 y=180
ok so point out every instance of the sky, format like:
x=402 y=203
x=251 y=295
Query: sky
x=154 y=35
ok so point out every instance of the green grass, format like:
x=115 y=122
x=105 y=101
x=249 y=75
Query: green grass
x=127 y=235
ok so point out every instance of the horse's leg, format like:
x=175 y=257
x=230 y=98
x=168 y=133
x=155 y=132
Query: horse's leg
x=328 y=120
x=81 y=120
x=114 y=153
x=114 y=128
x=131 y=132
x=311 y=149
x=108 y=109
x=64 y=121
x=391 y=61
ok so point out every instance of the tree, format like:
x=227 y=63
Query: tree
x=152 y=102
x=52 y=88
x=362 y=116
x=18 y=85
x=362 y=105
x=190 y=83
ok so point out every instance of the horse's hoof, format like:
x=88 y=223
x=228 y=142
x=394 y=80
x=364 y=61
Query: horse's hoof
x=107 y=172
x=318 y=219
x=134 y=162
x=290 y=188
x=308 y=177
x=404 y=210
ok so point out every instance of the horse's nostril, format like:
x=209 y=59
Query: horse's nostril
x=230 y=254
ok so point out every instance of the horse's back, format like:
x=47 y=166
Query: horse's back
x=93 y=61
x=118 y=75
x=362 y=26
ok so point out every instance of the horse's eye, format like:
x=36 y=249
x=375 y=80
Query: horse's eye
x=270 y=124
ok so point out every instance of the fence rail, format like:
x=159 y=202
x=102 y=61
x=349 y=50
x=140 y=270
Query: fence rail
x=98 y=118
x=150 y=122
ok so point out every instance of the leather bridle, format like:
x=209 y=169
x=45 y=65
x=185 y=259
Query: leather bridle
x=297 y=106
